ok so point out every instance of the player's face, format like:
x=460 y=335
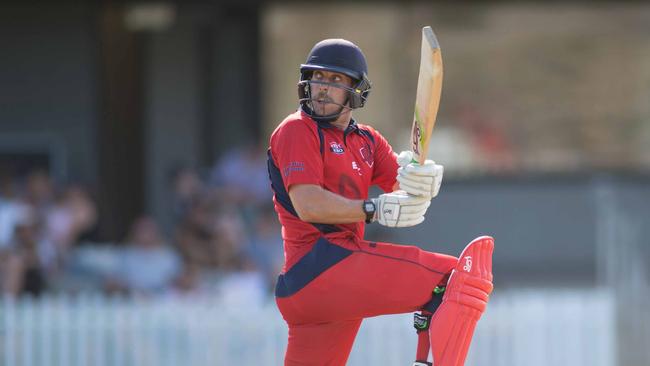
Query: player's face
x=327 y=99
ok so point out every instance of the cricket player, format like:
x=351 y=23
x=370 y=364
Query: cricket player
x=321 y=165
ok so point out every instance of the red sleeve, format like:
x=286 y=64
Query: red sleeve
x=385 y=168
x=295 y=148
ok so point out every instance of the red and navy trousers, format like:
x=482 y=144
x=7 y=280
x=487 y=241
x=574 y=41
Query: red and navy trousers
x=344 y=279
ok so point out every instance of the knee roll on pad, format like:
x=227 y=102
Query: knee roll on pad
x=470 y=291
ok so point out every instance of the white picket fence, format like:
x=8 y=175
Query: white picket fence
x=523 y=327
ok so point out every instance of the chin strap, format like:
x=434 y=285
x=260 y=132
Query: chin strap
x=321 y=119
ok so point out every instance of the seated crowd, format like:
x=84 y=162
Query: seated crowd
x=227 y=247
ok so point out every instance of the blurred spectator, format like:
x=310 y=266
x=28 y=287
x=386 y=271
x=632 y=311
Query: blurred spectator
x=20 y=266
x=243 y=281
x=32 y=274
x=212 y=240
x=11 y=212
x=188 y=189
x=38 y=194
x=241 y=174
x=196 y=237
x=265 y=245
x=216 y=226
x=39 y=190
x=71 y=214
x=147 y=265
x=21 y=271
x=209 y=238
x=232 y=237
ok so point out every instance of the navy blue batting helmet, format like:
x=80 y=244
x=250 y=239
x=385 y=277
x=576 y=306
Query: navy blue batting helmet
x=337 y=55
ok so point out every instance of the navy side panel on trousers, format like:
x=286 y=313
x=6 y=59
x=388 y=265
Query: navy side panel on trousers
x=320 y=258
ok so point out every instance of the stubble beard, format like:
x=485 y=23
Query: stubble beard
x=321 y=105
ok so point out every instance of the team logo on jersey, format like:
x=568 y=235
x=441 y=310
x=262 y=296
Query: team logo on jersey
x=336 y=148
x=366 y=154
x=356 y=167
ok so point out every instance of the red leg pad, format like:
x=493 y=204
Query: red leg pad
x=465 y=299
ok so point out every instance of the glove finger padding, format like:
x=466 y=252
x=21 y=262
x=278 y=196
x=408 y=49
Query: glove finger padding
x=421 y=180
x=407 y=217
x=404 y=199
x=428 y=169
x=415 y=188
x=399 y=209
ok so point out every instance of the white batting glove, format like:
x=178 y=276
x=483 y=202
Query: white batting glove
x=399 y=209
x=419 y=180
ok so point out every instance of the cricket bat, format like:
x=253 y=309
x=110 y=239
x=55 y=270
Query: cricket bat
x=427 y=98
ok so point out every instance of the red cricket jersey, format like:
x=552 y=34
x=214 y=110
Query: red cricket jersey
x=347 y=163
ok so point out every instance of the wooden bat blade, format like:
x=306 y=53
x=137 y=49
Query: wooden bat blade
x=427 y=99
